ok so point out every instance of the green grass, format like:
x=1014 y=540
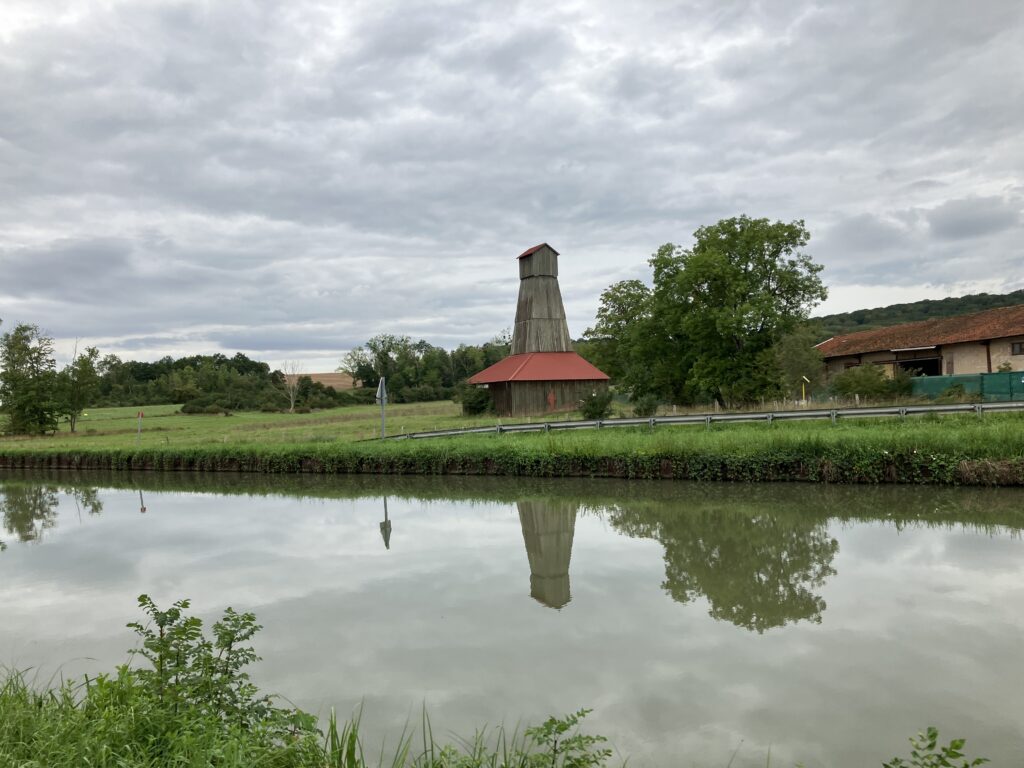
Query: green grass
x=164 y=425
x=937 y=449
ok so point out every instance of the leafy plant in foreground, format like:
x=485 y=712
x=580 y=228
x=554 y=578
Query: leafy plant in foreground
x=927 y=753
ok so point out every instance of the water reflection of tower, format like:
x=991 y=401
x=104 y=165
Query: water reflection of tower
x=548 y=528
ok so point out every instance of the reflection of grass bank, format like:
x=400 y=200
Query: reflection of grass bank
x=947 y=450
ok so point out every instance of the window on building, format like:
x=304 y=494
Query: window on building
x=1017 y=348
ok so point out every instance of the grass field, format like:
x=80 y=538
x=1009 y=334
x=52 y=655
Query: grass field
x=163 y=425
x=935 y=449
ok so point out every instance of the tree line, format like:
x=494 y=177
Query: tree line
x=35 y=397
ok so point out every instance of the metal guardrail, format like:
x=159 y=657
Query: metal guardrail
x=834 y=414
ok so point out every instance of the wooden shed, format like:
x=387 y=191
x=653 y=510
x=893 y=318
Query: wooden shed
x=543 y=374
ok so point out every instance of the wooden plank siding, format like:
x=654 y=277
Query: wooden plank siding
x=540 y=315
x=526 y=398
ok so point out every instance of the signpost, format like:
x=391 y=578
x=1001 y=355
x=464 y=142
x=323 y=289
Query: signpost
x=382 y=398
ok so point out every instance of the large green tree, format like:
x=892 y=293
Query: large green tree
x=28 y=373
x=707 y=327
x=747 y=284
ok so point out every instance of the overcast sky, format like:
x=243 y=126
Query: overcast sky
x=289 y=178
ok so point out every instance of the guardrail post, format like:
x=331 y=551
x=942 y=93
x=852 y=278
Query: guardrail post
x=651 y=422
x=978 y=409
x=547 y=426
x=498 y=429
x=903 y=413
x=599 y=424
x=833 y=414
x=771 y=417
x=707 y=423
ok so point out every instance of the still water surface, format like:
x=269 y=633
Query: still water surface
x=825 y=623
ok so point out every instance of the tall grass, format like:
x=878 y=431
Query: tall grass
x=974 y=450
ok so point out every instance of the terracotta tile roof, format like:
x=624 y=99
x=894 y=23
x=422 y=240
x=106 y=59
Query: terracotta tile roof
x=539 y=366
x=990 y=324
x=535 y=248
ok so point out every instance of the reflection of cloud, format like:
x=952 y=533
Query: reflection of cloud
x=253 y=165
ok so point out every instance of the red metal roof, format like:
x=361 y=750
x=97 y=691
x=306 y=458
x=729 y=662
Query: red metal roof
x=535 y=248
x=980 y=326
x=539 y=366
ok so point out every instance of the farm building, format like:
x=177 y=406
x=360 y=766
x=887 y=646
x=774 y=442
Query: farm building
x=982 y=342
x=543 y=374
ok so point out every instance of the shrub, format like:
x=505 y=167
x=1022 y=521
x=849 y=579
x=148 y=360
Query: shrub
x=645 y=406
x=596 y=405
x=927 y=753
x=475 y=400
x=362 y=396
x=870 y=381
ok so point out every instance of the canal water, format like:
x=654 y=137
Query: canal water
x=699 y=622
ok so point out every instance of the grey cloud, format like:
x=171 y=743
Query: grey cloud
x=179 y=170
x=973 y=217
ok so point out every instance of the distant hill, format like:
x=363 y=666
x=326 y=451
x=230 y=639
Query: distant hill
x=869 y=319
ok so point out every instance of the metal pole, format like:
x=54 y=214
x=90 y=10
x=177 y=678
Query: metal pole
x=382 y=398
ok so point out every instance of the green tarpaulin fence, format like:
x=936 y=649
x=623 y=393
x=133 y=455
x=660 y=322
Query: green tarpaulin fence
x=988 y=387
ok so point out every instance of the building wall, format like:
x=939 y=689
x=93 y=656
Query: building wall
x=1001 y=353
x=967 y=358
x=530 y=398
x=971 y=357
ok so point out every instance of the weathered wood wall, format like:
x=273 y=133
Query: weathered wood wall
x=532 y=398
x=540 y=315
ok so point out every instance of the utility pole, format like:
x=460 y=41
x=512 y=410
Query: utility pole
x=382 y=398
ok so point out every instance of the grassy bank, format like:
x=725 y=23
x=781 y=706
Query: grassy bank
x=965 y=450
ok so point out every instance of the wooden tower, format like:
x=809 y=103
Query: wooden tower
x=540 y=315
x=543 y=374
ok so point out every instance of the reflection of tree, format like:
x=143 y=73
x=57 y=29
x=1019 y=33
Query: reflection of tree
x=28 y=510
x=757 y=569
x=86 y=498
x=548 y=528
